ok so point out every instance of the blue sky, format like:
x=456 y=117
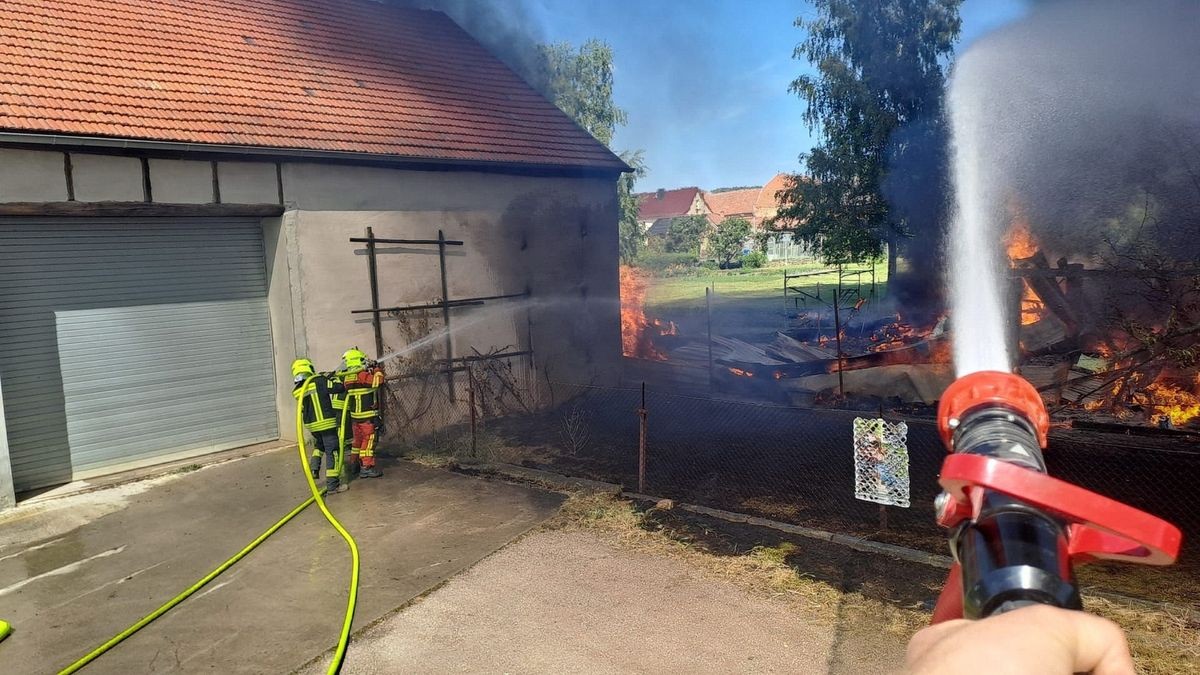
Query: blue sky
x=705 y=81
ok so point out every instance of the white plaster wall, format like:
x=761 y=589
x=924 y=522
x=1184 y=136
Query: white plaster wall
x=248 y=183
x=32 y=176
x=107 y=178
x=176 y=181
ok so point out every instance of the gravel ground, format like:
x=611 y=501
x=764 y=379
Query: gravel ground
x=568 y=602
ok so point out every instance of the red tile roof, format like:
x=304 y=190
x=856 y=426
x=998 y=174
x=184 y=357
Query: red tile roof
x=351 y=76
x=767 y=198
x=732 y=202
x=672 y=203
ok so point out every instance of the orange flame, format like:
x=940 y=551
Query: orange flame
x=1020 y=244
x=636 y=339
x=741 y=373
x=1168 y=401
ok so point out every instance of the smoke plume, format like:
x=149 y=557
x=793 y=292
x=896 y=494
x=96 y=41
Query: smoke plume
x=505 y=27
x=1086 y=120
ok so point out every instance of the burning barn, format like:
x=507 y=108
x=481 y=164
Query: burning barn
x=188 y=198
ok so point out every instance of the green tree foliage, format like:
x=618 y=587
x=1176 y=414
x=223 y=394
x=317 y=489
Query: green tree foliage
x=629 y=231
x=685 y=233
x=725 y=242
x=880 y=68
x=580 y=83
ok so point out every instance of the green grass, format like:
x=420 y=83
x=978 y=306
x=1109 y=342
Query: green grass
x=683 y=291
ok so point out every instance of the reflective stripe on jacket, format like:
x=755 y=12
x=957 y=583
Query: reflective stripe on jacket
x=362 y=393
x=316 y=396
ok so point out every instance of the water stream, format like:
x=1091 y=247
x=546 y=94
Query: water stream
x=976 y=278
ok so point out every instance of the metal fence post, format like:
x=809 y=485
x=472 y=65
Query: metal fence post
x=471 y=404
x=642 y=443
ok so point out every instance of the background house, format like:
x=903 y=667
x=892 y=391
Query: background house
x=179 y=184
x=758 y=205
x=663 y=205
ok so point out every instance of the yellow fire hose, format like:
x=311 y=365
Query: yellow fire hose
x=339 y=655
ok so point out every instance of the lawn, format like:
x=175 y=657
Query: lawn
x=682 y=292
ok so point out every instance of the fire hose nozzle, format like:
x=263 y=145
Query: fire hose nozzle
x=1015 y=531
x=995 y=389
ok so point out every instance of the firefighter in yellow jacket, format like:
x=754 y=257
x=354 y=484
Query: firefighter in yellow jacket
x=361 y=379
x=314 y=393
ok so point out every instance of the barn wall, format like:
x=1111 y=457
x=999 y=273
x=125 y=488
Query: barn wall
x=555 y=237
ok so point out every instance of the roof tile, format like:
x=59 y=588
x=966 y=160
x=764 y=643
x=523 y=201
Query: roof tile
x=340 y=75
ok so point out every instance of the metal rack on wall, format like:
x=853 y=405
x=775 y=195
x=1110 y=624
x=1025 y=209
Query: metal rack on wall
x=450 y=364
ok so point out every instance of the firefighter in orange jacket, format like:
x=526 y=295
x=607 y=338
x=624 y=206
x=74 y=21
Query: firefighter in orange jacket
x=314 y=393
x=362 y=379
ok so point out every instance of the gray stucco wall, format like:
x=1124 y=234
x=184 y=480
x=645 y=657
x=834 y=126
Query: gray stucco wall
x=32 y=176
x=175 y=181
x=555 y=237
x=101 y=178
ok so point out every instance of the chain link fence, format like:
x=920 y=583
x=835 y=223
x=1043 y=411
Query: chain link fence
x=788 y=464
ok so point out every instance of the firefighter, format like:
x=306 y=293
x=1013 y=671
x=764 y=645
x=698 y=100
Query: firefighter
x=362 y=379
x=314 y=393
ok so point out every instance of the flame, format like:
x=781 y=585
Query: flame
x=1170 y=402
x=635 y=327
x=741 y=373
x=1020 y=244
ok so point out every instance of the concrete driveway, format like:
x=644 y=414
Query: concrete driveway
x=77 y=570
x=572 y=602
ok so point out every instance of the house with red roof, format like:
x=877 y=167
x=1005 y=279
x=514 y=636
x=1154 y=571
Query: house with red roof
x=657 y=209
x=192 y=185
x=732 y=204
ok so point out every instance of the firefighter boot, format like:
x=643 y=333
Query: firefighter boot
x=368 y=468
x=314 y=466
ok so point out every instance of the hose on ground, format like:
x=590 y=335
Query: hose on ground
x=344 y=638
x=144 y=621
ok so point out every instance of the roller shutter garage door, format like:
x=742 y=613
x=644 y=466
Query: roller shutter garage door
x=129 y=342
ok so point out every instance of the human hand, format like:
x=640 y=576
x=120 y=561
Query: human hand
x=1036 y=639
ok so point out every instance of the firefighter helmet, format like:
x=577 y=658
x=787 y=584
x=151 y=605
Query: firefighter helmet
x=303 y=368
x=353 y=358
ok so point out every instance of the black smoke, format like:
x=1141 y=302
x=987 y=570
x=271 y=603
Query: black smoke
x=505 y=27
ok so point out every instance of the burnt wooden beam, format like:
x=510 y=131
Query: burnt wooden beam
x=139 y=209
x=1071 y=272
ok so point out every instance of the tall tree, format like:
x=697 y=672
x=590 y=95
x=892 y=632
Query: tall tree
x=880 y=70
x=629 y=231
x=580 y=83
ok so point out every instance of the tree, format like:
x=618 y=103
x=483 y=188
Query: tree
x=629 y=231
x=727 y=240
x=685 y=233
x=580 y=83
x=880 y=69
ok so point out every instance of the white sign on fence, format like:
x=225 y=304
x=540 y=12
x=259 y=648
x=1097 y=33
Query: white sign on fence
x=881 y=461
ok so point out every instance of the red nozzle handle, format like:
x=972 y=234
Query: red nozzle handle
x=991 y=387
x=1099 y=527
